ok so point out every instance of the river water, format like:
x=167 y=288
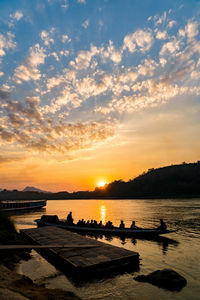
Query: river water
x=179 y=251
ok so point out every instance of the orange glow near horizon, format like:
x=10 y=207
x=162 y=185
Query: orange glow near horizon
x=101 y=183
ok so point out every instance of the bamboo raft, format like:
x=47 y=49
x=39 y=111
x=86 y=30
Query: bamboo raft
x=85 y=256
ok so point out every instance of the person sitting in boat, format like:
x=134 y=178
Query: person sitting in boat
x=78 y=223
x=122 y=226
x=109 y=225
x=100 y=225
x=133 y=225
x=95 y=224
x=70 y=220
x=163 y=225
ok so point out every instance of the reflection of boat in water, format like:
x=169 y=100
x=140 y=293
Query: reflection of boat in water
x=129 y=232
x=15 y=205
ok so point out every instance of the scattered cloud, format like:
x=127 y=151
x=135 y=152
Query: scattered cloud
x=171 y=24
x=18 y=15
x=191 y=29
x=160 y=20
x=45 y=36
x=141 y=39
x=4 y=94
x=65 y=38
x=83 y=59
x=29 y=70
x=81 y=1
x=170 y=47
x=64 y=52
x=113 y=54
x=65 y=4
x=85 y=24
x=6 y=43
x=9 y=159
x=161 y=35
x=98 y=83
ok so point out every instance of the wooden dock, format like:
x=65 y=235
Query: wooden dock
x=85 y=256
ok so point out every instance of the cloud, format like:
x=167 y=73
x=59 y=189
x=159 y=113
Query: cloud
x=83 y=59
x=45 y=36
x=64 y=52
x=85 y=24
x=81 y=1
x=170 y=47
x=59 y=137
x=171 y=24
x=4 y=94
x=161 y=35
x=112 y=53
x=6 y=43
x=160 y=20
x=65 y=38
x=54 y=81
x=191 y=29
x=18 y=15
x=101 y=83
x=29 y=70
x=143 y=39
x=9 y=159
x=54 y=54
x=65 y=4
x=147 y=67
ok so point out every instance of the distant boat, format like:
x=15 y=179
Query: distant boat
x=129 y=232
x=13 y=205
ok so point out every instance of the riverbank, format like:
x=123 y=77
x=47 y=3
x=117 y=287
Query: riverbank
x=14 y=286
x=18 y=287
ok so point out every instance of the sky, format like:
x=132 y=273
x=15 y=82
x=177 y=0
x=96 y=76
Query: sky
x=96 y=90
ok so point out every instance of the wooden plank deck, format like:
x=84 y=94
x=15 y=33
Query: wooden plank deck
x=18 y=247
x=81 y=259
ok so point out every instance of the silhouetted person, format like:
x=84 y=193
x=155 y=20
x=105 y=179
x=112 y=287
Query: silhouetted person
x=79 y=223
x=162 y=226
x=133 y=225
x=70 y=220
x=121 y=226
x=100 y=224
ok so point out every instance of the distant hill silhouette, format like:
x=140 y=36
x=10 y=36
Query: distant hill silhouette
x=176 y=181
x=33 y=189
x=171 y=181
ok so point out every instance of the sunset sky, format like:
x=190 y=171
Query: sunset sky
x=96 y=90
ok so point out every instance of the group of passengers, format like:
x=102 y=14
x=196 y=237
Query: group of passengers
x=108 y=225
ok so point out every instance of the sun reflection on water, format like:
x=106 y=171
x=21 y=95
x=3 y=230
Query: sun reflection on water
x=102 y=210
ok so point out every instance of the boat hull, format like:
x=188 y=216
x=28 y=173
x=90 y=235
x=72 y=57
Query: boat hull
x=21 y=205
x=127 y=232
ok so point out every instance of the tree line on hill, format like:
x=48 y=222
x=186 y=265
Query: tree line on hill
x=167 y=182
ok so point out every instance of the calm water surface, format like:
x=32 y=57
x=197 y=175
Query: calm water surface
x=179 y=251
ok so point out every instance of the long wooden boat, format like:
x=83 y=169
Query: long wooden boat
x=129 y=232
x=13 y=205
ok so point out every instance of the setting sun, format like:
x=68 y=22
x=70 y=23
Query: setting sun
x=101 y=183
